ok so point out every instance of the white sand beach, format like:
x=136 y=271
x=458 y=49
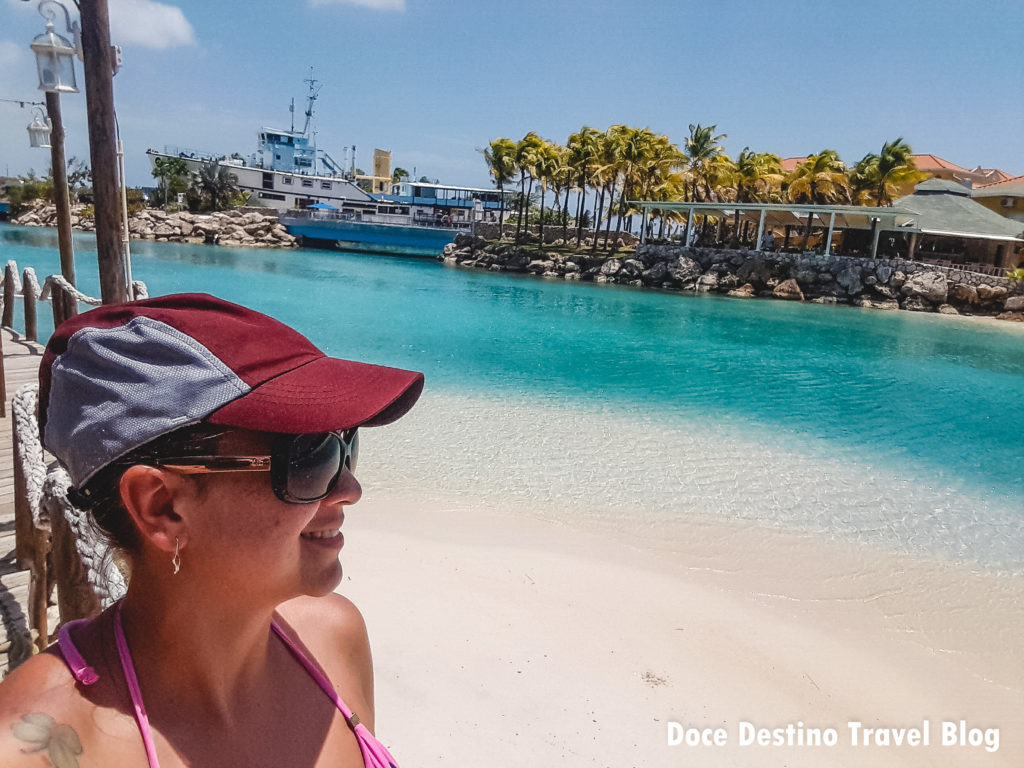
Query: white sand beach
x=502 y=639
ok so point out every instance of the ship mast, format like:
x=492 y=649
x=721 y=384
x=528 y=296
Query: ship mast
x=314 y=90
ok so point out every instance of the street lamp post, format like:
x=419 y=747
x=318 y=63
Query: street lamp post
x=55 y=62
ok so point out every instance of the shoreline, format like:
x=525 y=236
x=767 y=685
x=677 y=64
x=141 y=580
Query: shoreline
x=496 y=630
x=883 y=283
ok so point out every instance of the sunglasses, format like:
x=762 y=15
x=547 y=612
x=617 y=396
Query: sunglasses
x=303 y=468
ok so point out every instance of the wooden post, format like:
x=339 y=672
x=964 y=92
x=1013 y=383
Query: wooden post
x=70 y=305
x=831 y=228
x=29 y=297
x=10 y=291
x=913 y=246
x=99 y=93
x=3 y=378
x=61 y=196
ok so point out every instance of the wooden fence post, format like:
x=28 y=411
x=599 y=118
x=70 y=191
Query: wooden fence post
x=58 y=304
x=28 y=294
x=10 y=291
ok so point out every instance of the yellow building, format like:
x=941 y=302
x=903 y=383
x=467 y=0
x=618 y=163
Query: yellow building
x=1003 y=197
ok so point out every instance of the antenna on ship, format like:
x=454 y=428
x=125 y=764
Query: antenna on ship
x=291 y=108
x=314 y=90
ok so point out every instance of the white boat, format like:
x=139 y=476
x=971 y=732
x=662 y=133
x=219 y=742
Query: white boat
x=321 y=200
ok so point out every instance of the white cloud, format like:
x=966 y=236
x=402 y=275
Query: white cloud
x=149 y=24
x=377 y=5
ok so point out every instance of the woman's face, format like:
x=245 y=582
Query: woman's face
x=242 y=537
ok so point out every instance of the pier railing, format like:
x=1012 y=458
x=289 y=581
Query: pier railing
x=54 y=540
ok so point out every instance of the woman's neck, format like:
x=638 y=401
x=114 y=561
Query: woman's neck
x=205 y=657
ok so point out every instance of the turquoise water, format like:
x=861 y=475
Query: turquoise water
x=922 y=399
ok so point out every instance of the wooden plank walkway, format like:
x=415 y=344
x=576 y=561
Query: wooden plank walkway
x=21 y=366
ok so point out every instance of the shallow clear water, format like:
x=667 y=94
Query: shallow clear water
x=897 y=427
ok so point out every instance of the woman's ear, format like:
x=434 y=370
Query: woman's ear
x=148 y=495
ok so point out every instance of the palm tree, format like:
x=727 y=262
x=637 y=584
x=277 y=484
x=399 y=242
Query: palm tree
x=171 y=171
x=214 y=186
x=757 y=174
x=583 y=160
x=877 y=178
x=399 y=174
x=611 y=155
x=655 y=174
x=545 y=168
x=700 y=148
x=500 y=158
x=820 y=179
x=526 y=156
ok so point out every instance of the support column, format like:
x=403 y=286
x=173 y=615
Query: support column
x=874 y=240
x=913 y=246
x=828 y=238
x=689 y=228
x=61 y=197
x=760 y=230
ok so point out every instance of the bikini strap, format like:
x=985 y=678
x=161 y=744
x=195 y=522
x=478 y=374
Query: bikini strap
x=82 y=672
x=375 y=755
x=141 y=718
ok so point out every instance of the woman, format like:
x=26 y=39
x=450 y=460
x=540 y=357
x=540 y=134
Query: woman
x=216 y=448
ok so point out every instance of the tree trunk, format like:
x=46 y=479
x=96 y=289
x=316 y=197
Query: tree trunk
x=540 y=224
x=501 y=210
x=807 y=240
x=519 y=218
x=611 y=209
x=581 y=203
x=597 y=220
x=565 y=216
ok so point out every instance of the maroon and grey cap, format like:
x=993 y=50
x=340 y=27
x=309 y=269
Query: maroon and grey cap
x=116 y=377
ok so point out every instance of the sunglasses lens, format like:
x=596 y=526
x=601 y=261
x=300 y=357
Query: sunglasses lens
x=352 y=440
x=314 y=463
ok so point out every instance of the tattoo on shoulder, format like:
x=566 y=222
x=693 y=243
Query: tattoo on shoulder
x=41 y=732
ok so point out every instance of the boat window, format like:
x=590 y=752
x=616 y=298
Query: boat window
x=325 y=185
x=268 y=181
x=307 y=182
x=287 y=180
x=271 y=196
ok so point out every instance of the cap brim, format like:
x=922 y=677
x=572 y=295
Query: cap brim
x=324 y=395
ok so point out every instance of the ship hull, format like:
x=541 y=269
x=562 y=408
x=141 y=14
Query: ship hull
x=362 y=237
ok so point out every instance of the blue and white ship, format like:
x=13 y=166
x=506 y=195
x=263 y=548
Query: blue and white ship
x=325 y=202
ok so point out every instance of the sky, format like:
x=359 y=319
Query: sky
x=435 y=80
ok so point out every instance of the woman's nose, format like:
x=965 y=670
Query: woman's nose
x=347 y=490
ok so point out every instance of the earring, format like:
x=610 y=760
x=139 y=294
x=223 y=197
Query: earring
x=176 y=560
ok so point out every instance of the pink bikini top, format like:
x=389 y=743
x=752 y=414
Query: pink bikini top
x=374 y=753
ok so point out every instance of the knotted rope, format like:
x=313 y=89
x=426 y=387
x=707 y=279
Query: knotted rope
x=29 y=451
x=94 y=550
x=47 y=493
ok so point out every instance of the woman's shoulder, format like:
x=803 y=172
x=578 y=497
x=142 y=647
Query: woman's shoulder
x=43 y=678
x=40 y=710
x=332 y=618
x=332 y=630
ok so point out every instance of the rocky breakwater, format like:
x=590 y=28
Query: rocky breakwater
x=887 y=284
x=247 y=228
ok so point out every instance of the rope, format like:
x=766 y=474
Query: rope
x=95 y=552
x=48 y=498
x=61 y=282
x=55 y=282
x=28 y=450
